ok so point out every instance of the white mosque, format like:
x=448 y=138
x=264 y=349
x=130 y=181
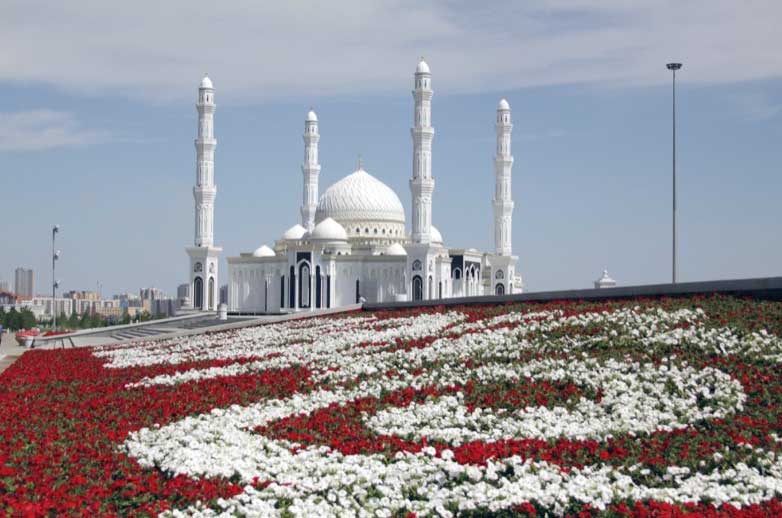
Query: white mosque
x=352 y=243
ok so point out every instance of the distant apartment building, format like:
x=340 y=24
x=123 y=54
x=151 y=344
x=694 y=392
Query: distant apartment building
x=24 y=283
x=129 y=301
x=148 y=296
x=5 y=286
x=182 y=291
x=6 y=297
x=43 y=305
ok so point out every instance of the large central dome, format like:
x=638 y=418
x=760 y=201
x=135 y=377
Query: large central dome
x=360 y=201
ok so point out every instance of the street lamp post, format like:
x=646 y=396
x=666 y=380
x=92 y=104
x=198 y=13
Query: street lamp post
x=673 y=67
x=55 y=283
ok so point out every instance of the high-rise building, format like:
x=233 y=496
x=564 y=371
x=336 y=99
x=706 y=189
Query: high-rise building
x=24 y=283
x=5 y=286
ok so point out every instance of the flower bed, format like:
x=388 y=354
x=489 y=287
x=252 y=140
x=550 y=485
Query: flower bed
x=635 y=408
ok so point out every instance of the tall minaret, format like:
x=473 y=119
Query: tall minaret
x=205 y=191
x=204 y=256
x=422 y=183
x=503 y=162
x=311 y=170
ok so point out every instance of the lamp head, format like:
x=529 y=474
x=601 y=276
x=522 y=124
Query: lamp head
x=56 y=284
x=55 y=229
x=57 y=254
x=673 y=66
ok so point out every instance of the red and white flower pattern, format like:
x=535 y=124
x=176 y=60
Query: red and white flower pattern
x=641 y=408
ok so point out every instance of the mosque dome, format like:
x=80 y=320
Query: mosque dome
x=362 y=202
x=422 y=68
x=206 y=82
x=436 y=237
x=329 y=230
x=264 y=251
x=503 y=105
x=395 y=249
x=293 y=233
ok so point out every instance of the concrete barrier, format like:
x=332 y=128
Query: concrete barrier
x=767 y=288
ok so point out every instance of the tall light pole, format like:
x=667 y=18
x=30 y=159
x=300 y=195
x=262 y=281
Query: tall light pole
x=673 y=67
x=55 y=283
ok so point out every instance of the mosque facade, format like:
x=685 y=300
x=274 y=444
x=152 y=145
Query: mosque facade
x=352 y=243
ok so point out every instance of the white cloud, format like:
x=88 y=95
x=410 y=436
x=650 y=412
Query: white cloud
x=37 y=130
x=300 y=48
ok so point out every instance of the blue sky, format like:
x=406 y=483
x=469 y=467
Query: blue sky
x=97 y=121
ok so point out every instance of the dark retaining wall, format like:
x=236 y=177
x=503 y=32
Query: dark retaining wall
x=769 y=288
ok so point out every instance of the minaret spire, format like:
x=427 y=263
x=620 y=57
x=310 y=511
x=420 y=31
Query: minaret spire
x=204 y=256
x=422 y=183
x=503 y=202
x=310 y=169
x=205 y=143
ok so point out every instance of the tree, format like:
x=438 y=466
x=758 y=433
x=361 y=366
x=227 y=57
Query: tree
x=84 y=321
x=125 y=318
x=14 y=320
x=62 y=319
x=2 y=318
x=73 y=320
x=27 y=319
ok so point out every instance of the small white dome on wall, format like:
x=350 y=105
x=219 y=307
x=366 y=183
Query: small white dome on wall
x=329 y=230
x=436 y=237
x=295 y=232
x=206 y=82
x=395 y=249
x=264 y=251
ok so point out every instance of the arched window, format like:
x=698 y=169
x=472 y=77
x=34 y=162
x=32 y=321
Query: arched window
x=418 y=288
x=198 y=292
x=358 y=290
x=318 y=288
x=304 y=285
x=211 y=293
x=457 y=273
x=440 y=290
x=430 y=292
x=292 y=288
x=499 y=289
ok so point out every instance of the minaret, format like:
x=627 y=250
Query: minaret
x=205 y=191
x=422 y=183
x=502 y=202
x=311 y=170
x=204 y=256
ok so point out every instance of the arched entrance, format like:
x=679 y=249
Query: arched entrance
x=418 y=288
x=499 y=289
x=198 y=293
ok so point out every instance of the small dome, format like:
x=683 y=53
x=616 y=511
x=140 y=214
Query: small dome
x=206 y=82
x=436 y=237
x=422 y=68
x=295 y=232
x=395 y=249
x=312 y=116
x=264 y=251
x=329 y=230
x=503 y=105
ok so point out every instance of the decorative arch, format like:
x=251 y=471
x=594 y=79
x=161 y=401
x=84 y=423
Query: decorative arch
x=211 y=293
x=499 y=289
x=418 y=288
x=304 y=285
x=198 y=293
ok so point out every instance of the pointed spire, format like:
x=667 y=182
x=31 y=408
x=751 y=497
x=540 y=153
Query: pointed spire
x=360 y=163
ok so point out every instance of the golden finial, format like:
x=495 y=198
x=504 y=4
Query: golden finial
x=359 y=162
